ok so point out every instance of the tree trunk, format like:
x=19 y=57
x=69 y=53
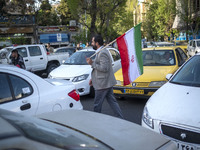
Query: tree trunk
x=93 y=18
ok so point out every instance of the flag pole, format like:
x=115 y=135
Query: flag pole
x=104 y=48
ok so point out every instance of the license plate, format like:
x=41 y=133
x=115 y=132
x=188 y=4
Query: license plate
x=134 y=91
x=183 y=146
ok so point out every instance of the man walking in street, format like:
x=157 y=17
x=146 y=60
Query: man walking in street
x=103 y=78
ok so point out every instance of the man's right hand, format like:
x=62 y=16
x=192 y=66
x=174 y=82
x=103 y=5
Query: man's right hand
x=90 y=82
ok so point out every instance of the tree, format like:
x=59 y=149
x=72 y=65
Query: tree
x=187 y=10
x=47 y=15
x=100 y=13
x=64 y=12
x=159 y=19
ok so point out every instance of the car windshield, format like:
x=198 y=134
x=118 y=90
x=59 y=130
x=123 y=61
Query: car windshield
x=189 y=74
x=158 y=58
x=53 y=134
x=79 y=58
x=198 y=43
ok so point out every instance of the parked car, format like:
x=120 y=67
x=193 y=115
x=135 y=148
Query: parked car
x=24 y=92
x=69 y=50
x=157 y=63
x=36 y=58
x=77 y=70
x=173 y=110
x=193 y=47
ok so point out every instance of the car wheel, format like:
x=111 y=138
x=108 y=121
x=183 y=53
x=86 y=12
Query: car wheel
x=92 y=92
x=51 y=67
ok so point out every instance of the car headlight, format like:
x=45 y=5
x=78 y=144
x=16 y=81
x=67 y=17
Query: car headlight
x=157 y=83
x=80 y=78
x=147 y=118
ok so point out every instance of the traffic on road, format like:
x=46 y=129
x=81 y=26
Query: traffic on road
x=176 y=88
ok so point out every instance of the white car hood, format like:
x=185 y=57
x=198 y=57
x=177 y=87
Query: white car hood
x=68 y=71
x=175 y=103
x=117 y=133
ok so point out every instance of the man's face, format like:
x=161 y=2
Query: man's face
x=94 y=44
x=14 y=54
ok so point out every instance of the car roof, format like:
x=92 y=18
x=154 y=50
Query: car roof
x=86 y=49
x=17 y=70
x=160 y=48
x=64 y=47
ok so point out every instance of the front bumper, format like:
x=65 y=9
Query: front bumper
x=185 y=137
x=121 y=91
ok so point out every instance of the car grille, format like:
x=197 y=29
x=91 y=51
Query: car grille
x=181 y=134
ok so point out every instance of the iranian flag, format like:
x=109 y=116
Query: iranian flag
x=129 y=45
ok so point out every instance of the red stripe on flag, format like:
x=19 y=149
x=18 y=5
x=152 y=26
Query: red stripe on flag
x=123 y=50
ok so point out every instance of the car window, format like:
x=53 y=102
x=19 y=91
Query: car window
x=34 y=51
x=190 y=43
x=189 y=74
x=60 y=50
x=182 y=54
x=5 y=91
x=50 y=133
x=79 y=58
x=21 y=88
x=198 y=43
x=180 y=59
x=22 y=51
x=158 y=58
x=115 y=55
x=193 y=45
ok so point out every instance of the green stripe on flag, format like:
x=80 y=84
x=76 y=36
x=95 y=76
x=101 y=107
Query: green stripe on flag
x=138 y=47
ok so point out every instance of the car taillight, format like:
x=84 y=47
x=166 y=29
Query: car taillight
x=48 y=53
x=73 y=94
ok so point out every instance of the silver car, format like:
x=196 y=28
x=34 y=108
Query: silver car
x=76 y=130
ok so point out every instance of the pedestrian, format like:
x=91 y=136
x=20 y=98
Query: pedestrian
x=17 y=59
x=50 y=49
x=103 y=78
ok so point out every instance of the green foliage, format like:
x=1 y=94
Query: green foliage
x=102 y=16
x=47 y=15
x=64 y=12
x=159 y=19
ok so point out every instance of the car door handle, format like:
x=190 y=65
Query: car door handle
x=112 y=64
x=41 y=58
x=26 y=59
x=25 y=106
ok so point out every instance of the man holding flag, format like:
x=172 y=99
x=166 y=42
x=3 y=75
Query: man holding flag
x=103 y=78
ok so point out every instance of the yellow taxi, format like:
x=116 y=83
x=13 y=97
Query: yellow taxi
x=157 y=63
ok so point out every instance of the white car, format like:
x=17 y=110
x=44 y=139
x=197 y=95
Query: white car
x=24 y=92
x=78 y=71
x=173 y=110
x=193 y=47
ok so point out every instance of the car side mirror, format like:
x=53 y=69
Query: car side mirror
x=168 y=76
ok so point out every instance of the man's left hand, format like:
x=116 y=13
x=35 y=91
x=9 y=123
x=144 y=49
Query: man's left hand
x=89 y=61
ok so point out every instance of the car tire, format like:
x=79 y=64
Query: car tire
x=51 y=67
x=92 y=92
